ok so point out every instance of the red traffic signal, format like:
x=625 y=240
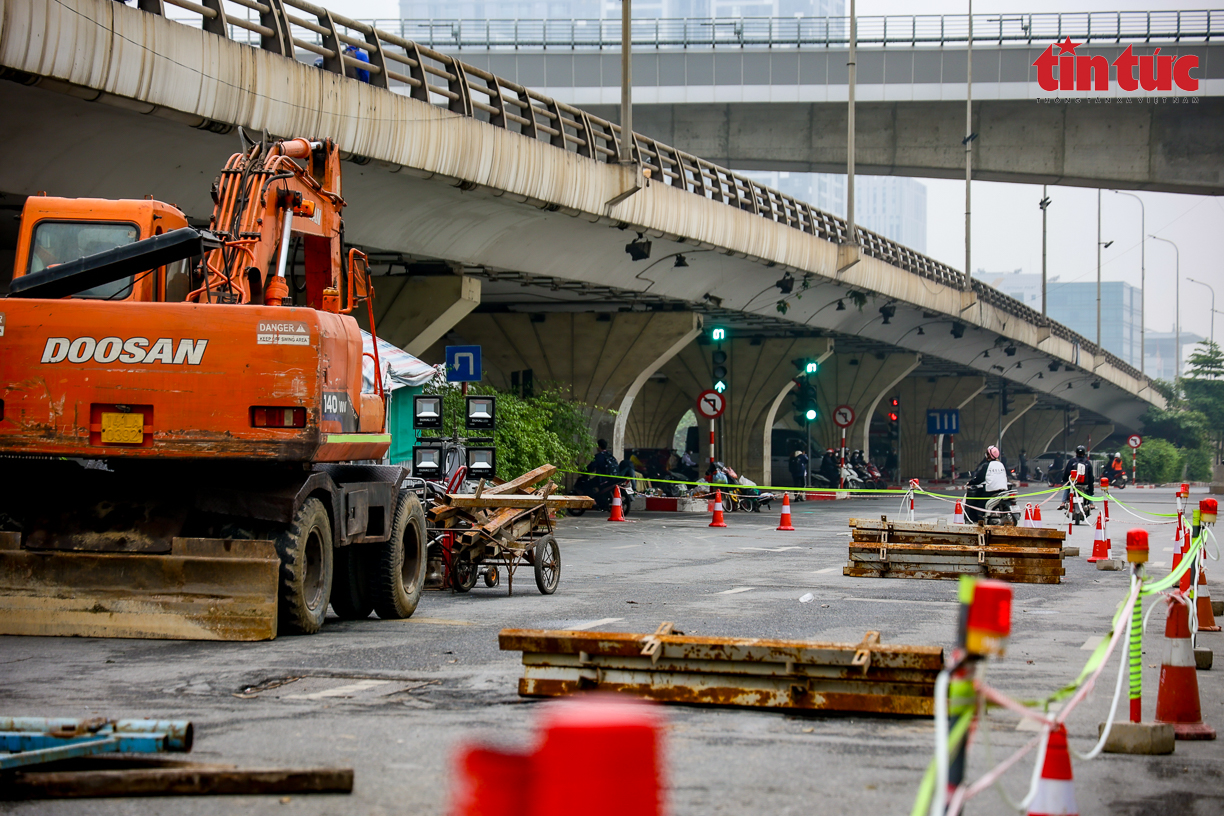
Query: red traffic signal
x=892 y=416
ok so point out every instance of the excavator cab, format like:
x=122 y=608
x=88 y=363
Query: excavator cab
x=55 y=231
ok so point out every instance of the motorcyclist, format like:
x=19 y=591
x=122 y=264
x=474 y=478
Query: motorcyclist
x=1114 y=471
x=1079 y=472
x=829 y=468
x=988 y=481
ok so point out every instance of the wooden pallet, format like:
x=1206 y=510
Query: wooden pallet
x=890 y=549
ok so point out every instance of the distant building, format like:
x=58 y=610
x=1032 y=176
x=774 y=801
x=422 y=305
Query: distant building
x=594 y=9
x=1159 y=357
x=1074 y=304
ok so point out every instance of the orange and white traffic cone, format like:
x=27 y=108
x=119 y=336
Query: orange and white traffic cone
x=958 y=513
x=1037 y=515
x=1100 y=547
x=1202 y=597
x=718 y=520
x=1055 y=795
x=786 y=516
x=1177 y=702
x=617 y=513
x=1027 y=521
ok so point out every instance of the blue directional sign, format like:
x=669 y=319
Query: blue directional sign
x=463 y=363
x=943 y=421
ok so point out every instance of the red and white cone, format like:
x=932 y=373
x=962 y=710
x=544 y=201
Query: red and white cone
x=1027 y=521
x=786 y=516
x=1100 y=547
x=1037 y=516
x=718 y=520
x=1202 y=597
x=1055 y=794
x=958 y=513
x=1177 y=702
x=617 y=513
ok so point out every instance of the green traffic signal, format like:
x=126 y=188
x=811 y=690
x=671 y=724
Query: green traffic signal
x=718 y=335
x=810 y=414
x=810 y=368
x=720 y=386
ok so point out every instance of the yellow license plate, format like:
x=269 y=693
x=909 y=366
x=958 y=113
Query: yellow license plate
x=124 y=429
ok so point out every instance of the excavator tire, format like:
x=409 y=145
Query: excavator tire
x=350 y=595
x=306 y=570
x=398 y=568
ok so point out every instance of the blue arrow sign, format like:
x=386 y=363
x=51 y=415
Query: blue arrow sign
x=463 y=364
x=943 y=421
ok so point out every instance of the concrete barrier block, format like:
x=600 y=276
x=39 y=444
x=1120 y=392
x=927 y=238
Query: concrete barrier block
x=1217 y=608
x=1139 y=738
x=1203 y=658
x=1071 y=552
x=1109 y=564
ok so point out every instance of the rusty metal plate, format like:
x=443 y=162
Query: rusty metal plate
x=790 y=674
x=940 y=532
x=203 y=589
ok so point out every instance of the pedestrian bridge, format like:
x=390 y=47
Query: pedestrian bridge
x=490 y=178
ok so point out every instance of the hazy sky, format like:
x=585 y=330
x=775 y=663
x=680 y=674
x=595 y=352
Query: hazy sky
x=1007 y=222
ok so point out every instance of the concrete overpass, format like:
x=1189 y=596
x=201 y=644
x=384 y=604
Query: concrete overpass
x=472 y=182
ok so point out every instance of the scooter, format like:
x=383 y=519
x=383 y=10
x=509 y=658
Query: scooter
x=999 y=511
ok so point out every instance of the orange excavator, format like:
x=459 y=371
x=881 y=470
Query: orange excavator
x=186 y=446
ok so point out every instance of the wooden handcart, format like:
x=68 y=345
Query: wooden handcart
x=498 y=528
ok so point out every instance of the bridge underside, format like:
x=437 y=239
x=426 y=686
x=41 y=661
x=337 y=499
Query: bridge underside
x=1173 y=148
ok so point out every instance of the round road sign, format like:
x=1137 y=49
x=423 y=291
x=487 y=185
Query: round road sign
x=1134 y=440
x=711 y=404
x=843 y=416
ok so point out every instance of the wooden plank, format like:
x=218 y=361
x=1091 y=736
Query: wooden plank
x=522 y=483
x=521 y=501
x=187 y=780
x=949 y=574
x=870 y=530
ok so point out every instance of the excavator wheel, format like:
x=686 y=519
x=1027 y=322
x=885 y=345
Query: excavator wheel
x=398 y=568
x=350 y=595
x=306 y=566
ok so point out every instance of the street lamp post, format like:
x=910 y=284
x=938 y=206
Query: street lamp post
x=1044 y=204
x=1100 y=245
x=1142 y=278
x=1213 y=308
x=1177 y=310
x=626 y=122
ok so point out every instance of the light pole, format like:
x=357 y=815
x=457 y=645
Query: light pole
x=1100 y=245
x=1208 y=285
x=969 y=149
x=1177 y=311
x=626 y=117
x=851 y=68
x=1142 y=278
x=1044 y=204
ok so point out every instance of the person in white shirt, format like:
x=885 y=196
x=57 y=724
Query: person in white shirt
x=989 y=480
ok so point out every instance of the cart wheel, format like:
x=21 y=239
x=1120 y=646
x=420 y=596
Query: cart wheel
x=491 y=578
x=576 y=511
x=463 y=575
x=745 y=505
x=547 y=561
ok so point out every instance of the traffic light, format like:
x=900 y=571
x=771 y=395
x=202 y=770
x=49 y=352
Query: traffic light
x=804 y=401
x=719 y=370
x=894 y=418
x=1005 y=400
x=718 y=334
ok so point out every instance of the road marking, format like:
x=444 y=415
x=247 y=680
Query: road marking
x=441 y=621
x=826 y=570
x=771 y=549
x=592 y=624
x=340 y=691
x=1158 y=565
x=903 y=601
x=735 y=591
x=625 y=547
x=1091 y=643
x=1041 y=611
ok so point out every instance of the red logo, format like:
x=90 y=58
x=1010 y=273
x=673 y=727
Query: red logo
x=1076 y=72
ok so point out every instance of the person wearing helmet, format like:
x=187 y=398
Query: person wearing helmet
x=798 y=465
x=989 y=480
x=1078 y=471
x=1115 y=471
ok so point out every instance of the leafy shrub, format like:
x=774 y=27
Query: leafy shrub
x=1159 y=462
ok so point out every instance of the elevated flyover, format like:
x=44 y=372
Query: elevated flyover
x=471 y=175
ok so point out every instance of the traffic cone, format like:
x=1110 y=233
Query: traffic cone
x=1055 y=795
x=718 y=520
x=1177 y=702
x=1100 y=547
x=1037 y=515
x=1027 y=521
x=1206 y=617
x=617 y=513
x=958 y=513
x=786 y=516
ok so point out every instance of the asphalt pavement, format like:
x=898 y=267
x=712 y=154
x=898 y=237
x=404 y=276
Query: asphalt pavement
x=393 y=699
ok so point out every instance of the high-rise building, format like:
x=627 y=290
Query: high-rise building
x=1074 y=304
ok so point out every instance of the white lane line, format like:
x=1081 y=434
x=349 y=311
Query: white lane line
x=440 y=621
x=625 y=547
x=826 y=570
x=1091 y=643
x=735 y=591
x=339 y=691
x=592 y=624
x=903 y=601
x=771 y=549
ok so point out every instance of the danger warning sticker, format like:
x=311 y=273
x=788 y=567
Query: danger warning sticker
x=290 y=333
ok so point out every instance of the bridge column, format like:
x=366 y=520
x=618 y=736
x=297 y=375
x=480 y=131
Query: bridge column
x=414 y=312
x=919 y=395
x=767 y=476
x=596 y=358
x=626 y=404
x=1020 y=407
x=979 y=427
x=1090 y=434
x=758 y=369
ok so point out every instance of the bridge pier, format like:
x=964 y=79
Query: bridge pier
x=414 y=312
x=919 y=395
x=597 y=358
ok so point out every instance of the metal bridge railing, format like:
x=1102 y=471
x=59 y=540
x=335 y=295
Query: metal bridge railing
x=298 y=29
x=909 y=31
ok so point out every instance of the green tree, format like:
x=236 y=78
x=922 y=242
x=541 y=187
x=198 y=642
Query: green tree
x=1182 y=427
x=1158 y=462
